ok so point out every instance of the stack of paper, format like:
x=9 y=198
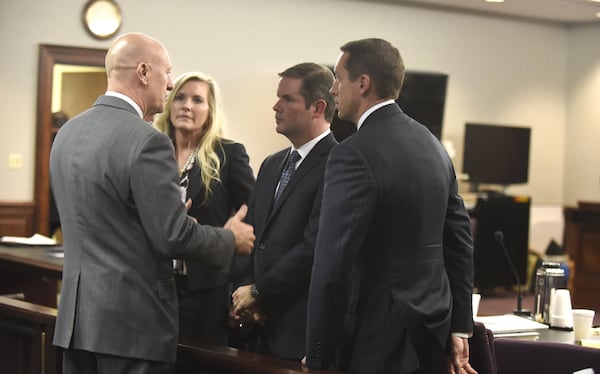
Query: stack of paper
x=510 y=325
x=36 y=239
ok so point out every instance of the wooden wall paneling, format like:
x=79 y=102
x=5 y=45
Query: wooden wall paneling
x=17 y=218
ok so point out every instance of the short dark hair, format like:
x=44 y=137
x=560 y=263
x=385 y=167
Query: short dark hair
x=378 y=59
x=316 y=82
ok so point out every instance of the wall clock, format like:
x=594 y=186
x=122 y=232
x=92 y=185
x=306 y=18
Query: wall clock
x=102 y=18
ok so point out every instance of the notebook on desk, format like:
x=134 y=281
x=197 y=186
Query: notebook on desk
x=510 y=325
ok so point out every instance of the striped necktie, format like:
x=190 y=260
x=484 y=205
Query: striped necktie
x=288 y=171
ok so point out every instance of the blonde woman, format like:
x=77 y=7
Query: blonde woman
x=216 y=176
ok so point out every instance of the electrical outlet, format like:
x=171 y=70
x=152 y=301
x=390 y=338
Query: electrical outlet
x=15 y=161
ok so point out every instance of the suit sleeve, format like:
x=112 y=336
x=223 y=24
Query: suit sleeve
x=458 y=257
x=155 y=191
x=349 y=197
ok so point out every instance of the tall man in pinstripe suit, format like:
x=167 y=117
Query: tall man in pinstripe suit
x=116 y=185
x=393 y=267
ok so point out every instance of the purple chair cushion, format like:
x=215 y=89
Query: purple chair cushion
x=515 y=356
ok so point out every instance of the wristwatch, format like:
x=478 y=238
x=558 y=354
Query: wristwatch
x=254 y=291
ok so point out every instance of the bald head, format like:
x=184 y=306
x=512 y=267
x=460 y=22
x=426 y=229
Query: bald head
x=128 y=50
x=139 y=66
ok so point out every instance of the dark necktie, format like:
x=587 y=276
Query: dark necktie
x=288 y=171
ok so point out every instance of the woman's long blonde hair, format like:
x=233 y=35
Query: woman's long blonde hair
x=212 y=132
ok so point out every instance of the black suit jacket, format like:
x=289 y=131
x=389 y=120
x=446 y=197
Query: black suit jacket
x=394 y=251
x=237 y=181
x=285 y=239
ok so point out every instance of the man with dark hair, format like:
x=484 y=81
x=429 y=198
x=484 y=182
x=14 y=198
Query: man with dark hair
x=284 y=209
x=393 y=266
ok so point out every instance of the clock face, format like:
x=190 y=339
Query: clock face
x=102 y=18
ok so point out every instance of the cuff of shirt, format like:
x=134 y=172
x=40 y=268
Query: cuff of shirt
x=464 y=335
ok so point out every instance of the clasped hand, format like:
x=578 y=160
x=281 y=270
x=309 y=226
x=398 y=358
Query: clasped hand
x=245 y=307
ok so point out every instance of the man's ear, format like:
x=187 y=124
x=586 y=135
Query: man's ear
x=364 y=83
x=320 y=106
x=142 y=72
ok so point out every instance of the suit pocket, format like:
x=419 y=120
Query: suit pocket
x=166 y=289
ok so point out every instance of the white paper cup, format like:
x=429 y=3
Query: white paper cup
x=560 y=309
x=476 y=299
x=582 y=323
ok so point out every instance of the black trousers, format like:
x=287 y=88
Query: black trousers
x=203 y=314
x=76 y=361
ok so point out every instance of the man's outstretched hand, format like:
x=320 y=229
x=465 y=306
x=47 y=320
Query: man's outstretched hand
x=243 y=232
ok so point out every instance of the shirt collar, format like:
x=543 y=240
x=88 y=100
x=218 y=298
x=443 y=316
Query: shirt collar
x=128 y=100
x=364 y=116
x=305 y=149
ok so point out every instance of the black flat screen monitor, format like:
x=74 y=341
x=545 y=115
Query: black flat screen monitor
x=496 y=154
x=422 y=97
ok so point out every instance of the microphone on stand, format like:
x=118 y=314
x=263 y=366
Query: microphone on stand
x=499 y=236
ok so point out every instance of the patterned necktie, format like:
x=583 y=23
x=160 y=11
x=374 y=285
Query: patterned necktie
x=288 y=171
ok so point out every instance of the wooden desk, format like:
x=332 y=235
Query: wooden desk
x=33 y=271
x=582 y=242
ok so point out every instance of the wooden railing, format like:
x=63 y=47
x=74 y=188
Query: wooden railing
x=27 y=330
x=233 y=361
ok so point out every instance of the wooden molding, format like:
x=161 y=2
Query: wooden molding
x=49 y=55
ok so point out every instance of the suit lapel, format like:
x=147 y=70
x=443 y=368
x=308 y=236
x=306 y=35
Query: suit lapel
x=314 y=157
x=195 y=185
x=270 y=177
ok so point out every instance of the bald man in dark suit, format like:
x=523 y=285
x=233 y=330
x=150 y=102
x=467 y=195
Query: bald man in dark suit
x=393 y=270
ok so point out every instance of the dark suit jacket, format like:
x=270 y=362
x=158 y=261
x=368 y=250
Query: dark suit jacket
x=237 y=181
x=285 y=239
x=116 y=186
x=394 y=251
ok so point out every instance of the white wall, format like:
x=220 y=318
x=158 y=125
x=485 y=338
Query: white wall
x=582 y=156
x=500 y=71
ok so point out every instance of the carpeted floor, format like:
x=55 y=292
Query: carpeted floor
x=505 y=302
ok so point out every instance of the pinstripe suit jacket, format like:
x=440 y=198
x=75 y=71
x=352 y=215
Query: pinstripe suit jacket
x=395 y=232
x=115 y=181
